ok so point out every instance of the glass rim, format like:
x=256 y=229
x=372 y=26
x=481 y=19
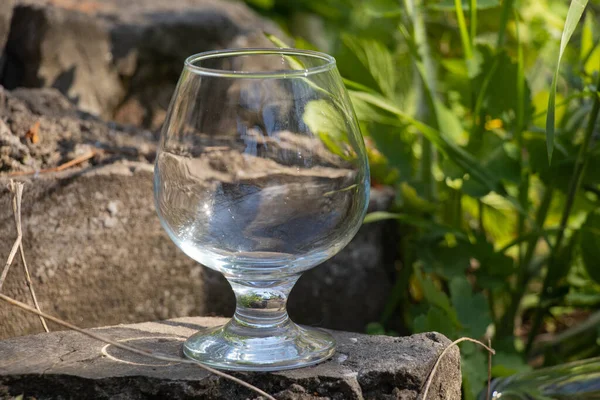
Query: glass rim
x=329 y=63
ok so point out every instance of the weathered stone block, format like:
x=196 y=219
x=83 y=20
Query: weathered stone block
x=70 y=365
x=98 y=254
x=121 y=59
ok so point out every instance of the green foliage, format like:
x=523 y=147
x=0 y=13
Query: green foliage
x=492 y=153
x=590 y=245
x=575 y=11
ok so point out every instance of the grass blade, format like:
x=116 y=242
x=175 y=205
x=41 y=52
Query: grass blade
x=573 y=16
x=473 y=21
x=462 y=25
x=506 y=8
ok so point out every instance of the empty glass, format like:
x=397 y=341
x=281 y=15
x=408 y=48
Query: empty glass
x=261 y=175
x=579 y=380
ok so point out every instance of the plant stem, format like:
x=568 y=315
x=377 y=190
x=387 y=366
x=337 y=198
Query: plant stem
x=507 y=325
x=415 y=11
x=506 y=7
x=574 y=185
x=480 y=211
x=473 y=20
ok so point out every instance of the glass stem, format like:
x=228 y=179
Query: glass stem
x=262 y=304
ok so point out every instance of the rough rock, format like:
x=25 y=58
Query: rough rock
x=6 y=10
x=70 y=365
x=98 y=254
x=40 y=129
x=121 y=59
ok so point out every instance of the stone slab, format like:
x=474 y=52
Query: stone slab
x=70 y=365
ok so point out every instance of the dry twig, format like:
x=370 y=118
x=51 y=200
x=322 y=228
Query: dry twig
x=59 y=168
x=16 y=188
x=133 y=349
x=437 y=363
x=489 y=383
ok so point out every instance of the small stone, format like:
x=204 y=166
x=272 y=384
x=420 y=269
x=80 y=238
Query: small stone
x=110 y=222
x=341 y=358
x=353 y=340
x=113 y=208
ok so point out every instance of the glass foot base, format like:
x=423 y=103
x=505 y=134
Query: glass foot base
x=238 y=347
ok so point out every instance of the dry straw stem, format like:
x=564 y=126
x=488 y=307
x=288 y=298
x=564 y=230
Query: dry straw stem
x=16 y=188
x=132 y=349
x=437 y=363
x=61 y=167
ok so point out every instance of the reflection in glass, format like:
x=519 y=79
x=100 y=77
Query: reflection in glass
x=578 y=380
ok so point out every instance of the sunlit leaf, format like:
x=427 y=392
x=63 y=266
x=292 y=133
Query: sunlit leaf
x=412 y=202
x=377 y=59
x=573 y=16
x=325 y=121
x=590 y=46
x=455 y=153
x=540 y=104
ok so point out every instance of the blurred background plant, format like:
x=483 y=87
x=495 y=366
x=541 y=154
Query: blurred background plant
x=497 y=239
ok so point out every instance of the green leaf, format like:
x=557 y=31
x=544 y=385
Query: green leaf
x=498 y=98
x=435 y=320
x=325 y=121
x=508 y=363
x=564 y=260
x=395 y=148
x=590 y=245
x=495 y=158
x=472 y=308
x=377 y=59
x=590 y=49
x=436 y=297
x=474 y=370
x=264 y=4
x=413 y=203
x=573 y=16
x=382 y=8
x=559 y=173
x=446 y=261
x=455 y=153
x=409 y=219
x=375 y=328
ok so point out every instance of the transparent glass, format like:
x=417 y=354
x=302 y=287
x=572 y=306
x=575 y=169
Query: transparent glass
x=261 y=174
x=578 y=380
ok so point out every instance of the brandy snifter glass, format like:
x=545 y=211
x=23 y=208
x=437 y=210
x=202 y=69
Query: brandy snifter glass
x=261 y=174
